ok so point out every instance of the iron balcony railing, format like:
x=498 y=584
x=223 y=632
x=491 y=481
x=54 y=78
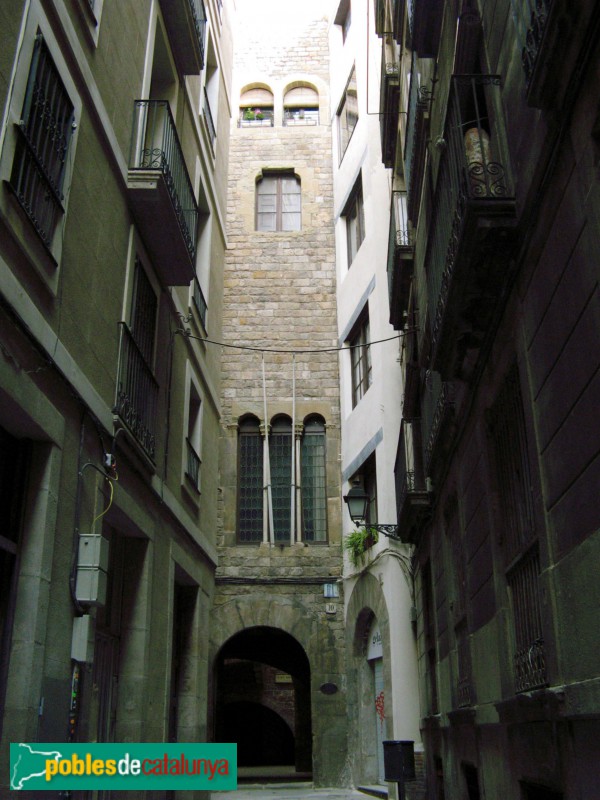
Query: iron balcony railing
x=389 y=105
x=415 y=140
x=200 y=302
x=473 y=178
x=137 y=393
x=256 y=118
x=199 y=16
x=535 y=23
x=208 y=118
x=300 y=116
x=413 y=499
x=193 y=465
x=155 y=146
x=398 y=9
x=399 y=260
x=437 y=411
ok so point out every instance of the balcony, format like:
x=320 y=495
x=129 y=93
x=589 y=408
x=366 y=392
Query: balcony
x=438 y=415
x=389 y=108
x=424 y=25
x=415 y=145
x=136 y=402
x=400 y=260
x=256 y=118
x=413 y=501
x=160 y=193
x=412 y=374
x=185 y=21
x=544 y=41
x=472 y=226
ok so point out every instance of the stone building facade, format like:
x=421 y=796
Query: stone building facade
x=493 y=134
x=278 y=599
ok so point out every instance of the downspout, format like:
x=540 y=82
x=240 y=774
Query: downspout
x=269 y=532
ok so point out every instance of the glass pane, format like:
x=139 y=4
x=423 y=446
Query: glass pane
x=314 y=497
x=250 y=492
x=266 y=222
x=280 y=452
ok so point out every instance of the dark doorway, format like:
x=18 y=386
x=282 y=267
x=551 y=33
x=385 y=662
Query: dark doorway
x=263 y=703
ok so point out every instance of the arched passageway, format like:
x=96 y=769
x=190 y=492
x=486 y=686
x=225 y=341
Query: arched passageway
x=263 y=700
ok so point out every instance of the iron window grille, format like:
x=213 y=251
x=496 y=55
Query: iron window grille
x=259 y=117
x=280 y=456
x=360 y=360
x=137 y=388
x=278 y=203
x=521 y=554
x=44 y=136
x=300 y=116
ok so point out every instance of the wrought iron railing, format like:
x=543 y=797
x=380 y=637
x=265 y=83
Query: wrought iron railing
x=262 y=118
x=200 y=302
x=155 y=146
x=192 y=469
x=419 y=98
x=199 y=16
x=389 y=102
x=137 y=393
x=438 y=407
x=472 y=172
x=539 y=11
x=208 y=117
x=400 y=235
x=298 y=116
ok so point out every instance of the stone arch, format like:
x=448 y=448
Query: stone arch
x=366 y=603
x=246 y=671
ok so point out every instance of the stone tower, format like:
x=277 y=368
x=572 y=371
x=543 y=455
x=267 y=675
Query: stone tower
x=277 y=625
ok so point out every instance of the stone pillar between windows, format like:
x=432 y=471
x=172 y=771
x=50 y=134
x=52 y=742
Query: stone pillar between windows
x=268 y=532
x=298 y=432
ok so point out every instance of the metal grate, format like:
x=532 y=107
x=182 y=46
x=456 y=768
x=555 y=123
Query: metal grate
x=529 y=658
x=314 y=490
x=507 y=423
x=44 y=135
x=250 y=482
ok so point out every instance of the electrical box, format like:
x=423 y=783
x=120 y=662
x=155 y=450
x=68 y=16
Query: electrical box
x=92 y=568
x=82 y=642
x=93 y=551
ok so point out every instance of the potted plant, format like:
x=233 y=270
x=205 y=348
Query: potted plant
x=358 y=542
x=249 y=114
x=258 y=114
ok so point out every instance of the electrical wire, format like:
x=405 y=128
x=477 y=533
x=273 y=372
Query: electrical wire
x=111 y=481
x=185 y=332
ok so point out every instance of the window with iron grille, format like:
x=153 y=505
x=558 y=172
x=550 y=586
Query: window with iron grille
x=355 y=221
x=42 y=148
x=250 y=481
x=143 y=314
x=278 y=203
x=519 y=535
x=429 y=638
x=347 y=114
x=314 y=486
x=360 y=359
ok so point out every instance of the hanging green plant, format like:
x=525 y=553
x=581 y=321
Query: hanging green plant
x=358 y=542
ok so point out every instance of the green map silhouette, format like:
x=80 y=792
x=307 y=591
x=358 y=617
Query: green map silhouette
x=30 y=764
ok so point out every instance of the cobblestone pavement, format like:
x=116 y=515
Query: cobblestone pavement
x=287 y=791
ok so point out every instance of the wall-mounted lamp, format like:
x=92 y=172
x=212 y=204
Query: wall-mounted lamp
x=358 y=507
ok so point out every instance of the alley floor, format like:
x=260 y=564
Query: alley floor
x=290 y=791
